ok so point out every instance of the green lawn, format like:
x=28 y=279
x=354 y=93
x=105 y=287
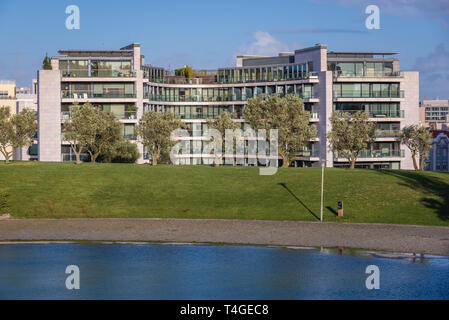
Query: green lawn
x=61 y=190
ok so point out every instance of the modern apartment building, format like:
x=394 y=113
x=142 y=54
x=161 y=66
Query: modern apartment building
x=120 y=82
x=434 y=113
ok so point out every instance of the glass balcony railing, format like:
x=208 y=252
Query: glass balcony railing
x=378 y=154
x=165 y=98
x=129 y=136
x=372 y=94
x=307 y=153
x=368 y=74
x=314 y=115
x=388 y=133
x=127 y=115
x=102 y=73
x=215 y=79
x=69 y=157
x=88 y=95
x=376 y=113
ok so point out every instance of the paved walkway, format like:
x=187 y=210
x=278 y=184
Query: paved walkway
x=399 y=238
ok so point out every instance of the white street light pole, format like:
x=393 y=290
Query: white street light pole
x=322 y=189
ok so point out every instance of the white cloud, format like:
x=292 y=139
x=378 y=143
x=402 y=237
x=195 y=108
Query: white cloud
x=264 y=44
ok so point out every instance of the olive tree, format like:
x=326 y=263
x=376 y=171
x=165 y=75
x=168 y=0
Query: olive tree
x=92 y=130
x=350 y=134
x=222 y=123
x=16 y=131
x=418 y=140
x=154 y=130
x=108 y=133
x=285 y=114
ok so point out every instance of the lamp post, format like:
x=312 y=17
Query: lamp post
x=322 y=189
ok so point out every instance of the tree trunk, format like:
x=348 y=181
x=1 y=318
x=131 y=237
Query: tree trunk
x=5 y=154
x=352 y=163
x=154 y=159
x=285 y=161
x=421 y=164
x=414 y=161
x=78 y=158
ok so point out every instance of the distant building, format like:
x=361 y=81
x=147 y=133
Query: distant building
x=434 y=114
x=439 y=155
x=17 y=99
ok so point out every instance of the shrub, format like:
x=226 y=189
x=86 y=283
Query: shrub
x=124 y=152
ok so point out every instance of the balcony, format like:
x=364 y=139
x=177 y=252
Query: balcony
x=102 y=73
x=307 y=153
x=388 y=133
x=89 y=95
x=369 y=74
x=165 y=98
x=221 y=79
x=376 y=113
x=129 y=136
x=127 y=115
x=372 y=94
x=376 y=154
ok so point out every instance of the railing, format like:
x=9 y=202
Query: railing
x=216 y=79
x=130 y=136
x=86 y=95
x=127 y=115
x=103 y=73
x=165 y=98
x=307 y=153
x=388 y=133
x=376 y=113
x=373 y=94
x=314 y=115
x=70 y=157
x=377 y=154
x=374 y=74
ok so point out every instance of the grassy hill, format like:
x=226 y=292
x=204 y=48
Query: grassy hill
x=62 y=190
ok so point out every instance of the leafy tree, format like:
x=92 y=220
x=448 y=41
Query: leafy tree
x=46 y=64
x=154 y=131
x=418 y=140
x=79 y=130
x=16 y=131
x=222 y=123
x=350 y=134
x=108 y=132
x=186 y=71
x=92 y=130
x=285 y=114
x=123 y=152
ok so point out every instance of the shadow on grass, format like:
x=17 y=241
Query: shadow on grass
x=332 y=210
x=429 y=185
x=282 y=184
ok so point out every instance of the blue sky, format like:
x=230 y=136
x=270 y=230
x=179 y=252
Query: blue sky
x=208 y=34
